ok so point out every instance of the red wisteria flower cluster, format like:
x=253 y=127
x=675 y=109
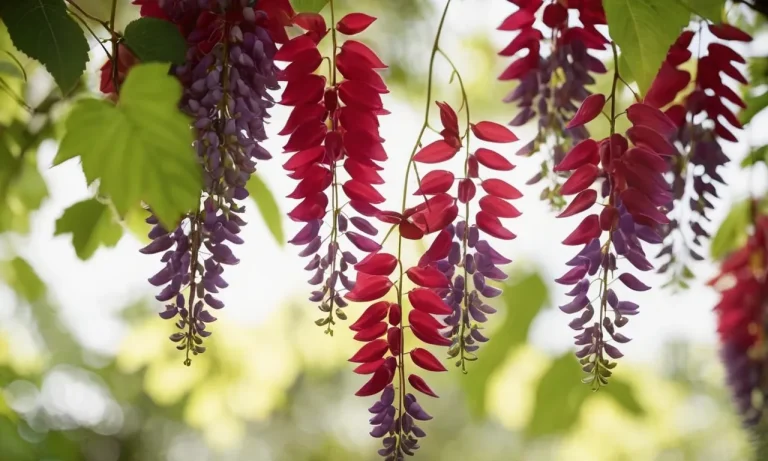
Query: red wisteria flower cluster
x=552 y=82
x=741 y=315
x=702 y=118
x=333 y=125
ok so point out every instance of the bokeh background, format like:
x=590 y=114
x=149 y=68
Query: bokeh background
x=87 y=372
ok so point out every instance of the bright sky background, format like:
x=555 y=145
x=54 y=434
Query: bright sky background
x=92 y=292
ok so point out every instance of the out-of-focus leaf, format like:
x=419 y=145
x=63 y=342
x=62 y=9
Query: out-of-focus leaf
x=23 y=279
x=559 y=398
x=91 y=224
x=755 y=105
x=22 y=189
x=141 y=149
x=11 y=69
x=623 y=394
x=308 y=6
x=267 y=206
x=523 y=298
x=757 y=155
x=732 y=233
x=153 y=39
x=644 y=30
x=707 y=9
x=43 y=30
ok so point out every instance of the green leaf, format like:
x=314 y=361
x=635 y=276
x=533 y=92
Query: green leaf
x=624 y=394
x=91 y=224
x=153 y=39
x=308 y=6
x=267 y=206
x=732 y=233
x=23 y=279
x=43 y=30
x=644 y=30
x=755 y=105
x=559 y=398
x=523 y=298
x=707 y=9
x=757 y=155
x=140 y=149
x=10 y=69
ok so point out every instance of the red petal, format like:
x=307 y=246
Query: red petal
x=498 y=207
x=427 y=335
x=492 y=226
x=306 y=63
x=420 y=385
x=377 y=264
x=493 y=132
x=360 y=95
x=368 y=368
x=522 y=66
x=438 y=250
x=362 y=172
x=369 y=288
x=609 y=217
x=307 y=135
x=587 y=230
x=581 y=202
x=424 y=321
x=436 y=152
x=363 y=145
x=389 y=217
x=304 y=158
x=729 y=32
x=354 y=23
x=585 y=152
x=426 y=300
x=467 y=190
x=428 y=277
x=291 y=50
x=554 y=15
x=364 y=75
x=580 y=179
x=300 y=115
x=638 y=204
x=377 y=383
x=373 y=314
x=357 y=52
x=590 y=108
x=395 y=315
x=358 y=190
x=501 y=189
x=647 y=115
x=410 y=231
x=435 y=182
x=394 y=338
x=520 y=19
x=318 y=178
x=493 y=160
x=370 y=352
x=364 y=208
x=668 y=83
x=525 y=39
x=644 y=136
x=372 y=332
x=424 y=359
x=311 y=208
x=448 y=117
x=311 y=22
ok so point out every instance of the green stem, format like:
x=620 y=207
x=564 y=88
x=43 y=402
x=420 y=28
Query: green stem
x=334 y=187
x=115 y=38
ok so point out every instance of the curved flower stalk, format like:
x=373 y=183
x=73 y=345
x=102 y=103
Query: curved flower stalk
x=741 y=318
x=226 y=78
x=550 y=86
x=333 y=133
x=445 y=305
x=633 y=190
x=703 y=119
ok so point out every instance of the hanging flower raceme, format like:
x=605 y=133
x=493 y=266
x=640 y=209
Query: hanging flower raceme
x=551 y=85
x=701 y=120
x=226 y=77
x=741 y=317
x=333 y=132
x=634 y=191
